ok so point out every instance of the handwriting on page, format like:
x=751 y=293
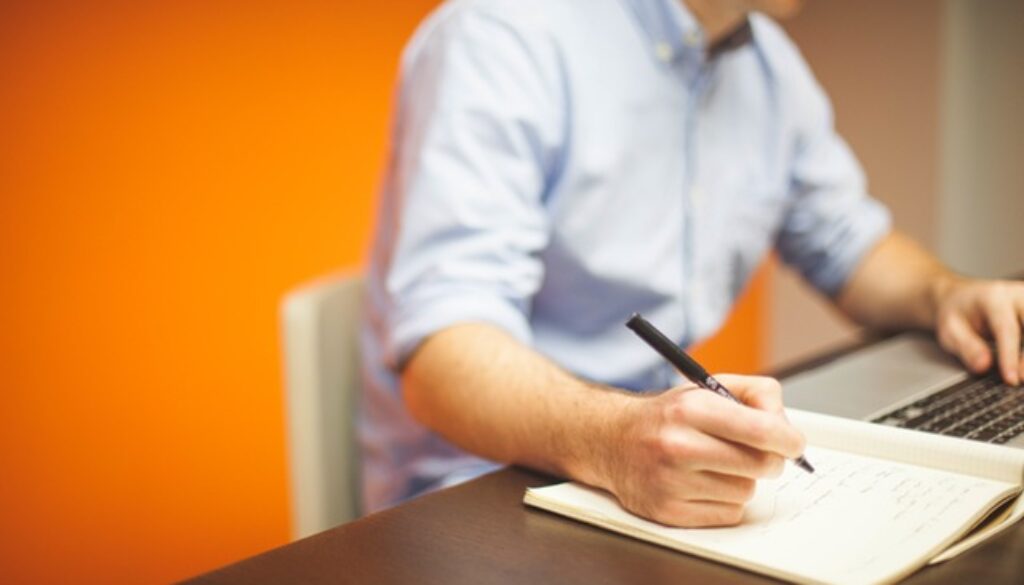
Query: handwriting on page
x=905 y=491
x=884 y=509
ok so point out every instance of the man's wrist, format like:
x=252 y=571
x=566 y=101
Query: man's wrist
x=599 y=448
x=940 y=286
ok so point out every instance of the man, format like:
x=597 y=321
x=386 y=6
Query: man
x=559 y=165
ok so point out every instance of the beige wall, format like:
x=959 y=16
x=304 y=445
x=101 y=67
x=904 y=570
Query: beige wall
x=929 y=95
x=882 y=70
x=982 y=197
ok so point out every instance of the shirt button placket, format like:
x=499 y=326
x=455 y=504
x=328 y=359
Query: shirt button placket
x=697 y=73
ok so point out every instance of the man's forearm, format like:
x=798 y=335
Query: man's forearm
x=898 y=285
x=486 y=392
x=680 y=457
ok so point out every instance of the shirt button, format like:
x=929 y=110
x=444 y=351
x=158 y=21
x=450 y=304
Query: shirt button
x=692 y=38
x=663 y=51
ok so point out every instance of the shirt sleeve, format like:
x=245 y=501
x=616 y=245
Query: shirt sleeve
x=832 y=222
x=476 y=141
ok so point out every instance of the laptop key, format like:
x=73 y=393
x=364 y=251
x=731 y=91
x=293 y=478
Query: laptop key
x=981 y=409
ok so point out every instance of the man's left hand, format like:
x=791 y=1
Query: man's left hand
x=967 y=311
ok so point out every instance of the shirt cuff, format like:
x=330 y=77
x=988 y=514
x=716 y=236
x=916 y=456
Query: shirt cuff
x=418 y=321
x=873 y=223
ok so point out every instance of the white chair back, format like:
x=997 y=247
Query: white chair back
x=321 y=362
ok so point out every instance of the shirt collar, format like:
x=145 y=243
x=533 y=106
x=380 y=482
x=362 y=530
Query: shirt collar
x=674 y=32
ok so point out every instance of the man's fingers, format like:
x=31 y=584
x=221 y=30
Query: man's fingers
x=712 y=486
x=698 y=514
x=697 y=451
x=726 y=488
x=763 y=431
x=958 y=337
x=741 y=461
x=757 y=391
x=1005 y=327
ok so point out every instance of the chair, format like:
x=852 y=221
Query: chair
x=321 y=363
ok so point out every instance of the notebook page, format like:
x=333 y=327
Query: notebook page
x=857 y=520
x=994 y=527
x=916 y=447
x=949 y=453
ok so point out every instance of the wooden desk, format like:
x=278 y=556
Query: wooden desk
x=480 y=532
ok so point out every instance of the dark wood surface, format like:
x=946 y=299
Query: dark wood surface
x=480 y=532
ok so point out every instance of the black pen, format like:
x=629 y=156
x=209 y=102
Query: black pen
x=688 y=366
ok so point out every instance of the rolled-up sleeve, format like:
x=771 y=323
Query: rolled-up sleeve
x=832 y=222
x=475 y=143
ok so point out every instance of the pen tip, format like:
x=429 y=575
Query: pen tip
x=803 y=464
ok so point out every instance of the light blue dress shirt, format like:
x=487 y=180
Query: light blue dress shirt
x=560 y=164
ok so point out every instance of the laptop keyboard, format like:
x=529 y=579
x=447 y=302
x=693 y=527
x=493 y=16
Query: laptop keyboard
x=983 y=409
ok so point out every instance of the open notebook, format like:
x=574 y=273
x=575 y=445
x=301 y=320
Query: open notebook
x=883 y=502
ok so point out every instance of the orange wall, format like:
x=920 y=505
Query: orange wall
x=738 y=347
x=167 y=170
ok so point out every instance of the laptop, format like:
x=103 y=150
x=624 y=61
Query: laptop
x=909 y=381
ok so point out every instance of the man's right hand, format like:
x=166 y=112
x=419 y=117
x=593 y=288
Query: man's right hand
x=685 y=457
x=688 y=457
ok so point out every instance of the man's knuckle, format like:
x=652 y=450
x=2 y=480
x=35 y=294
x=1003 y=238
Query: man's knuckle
x=663 y=441
x=947 y=322
x=945 y=338
x=951 y=335
x=676 y=513
x=747 y=489
x=672 y=447
x=760 y=431
x=655 y=446
x=994 y=293
x=1006 y=328
x=733 y=514
x=699 y=407
x=767 y=387
x=763 y=465
x=676 y=410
